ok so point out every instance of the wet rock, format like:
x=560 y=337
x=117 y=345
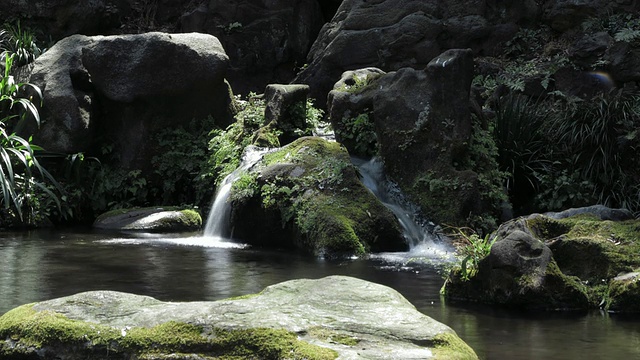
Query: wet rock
x=307 y=195
x=422 y=136
x=332 y=317
x=155 y=219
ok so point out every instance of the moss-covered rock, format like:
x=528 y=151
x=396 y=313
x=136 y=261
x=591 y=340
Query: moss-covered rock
x=152 y=219
x=623 y=294
x=428 y=139
x=588 y=254
x=298 y=319
x=308 y=195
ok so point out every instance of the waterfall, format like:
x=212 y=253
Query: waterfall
x=421 y=235
x=219 y=215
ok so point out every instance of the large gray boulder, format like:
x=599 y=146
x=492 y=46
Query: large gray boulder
x=118 y=91
x=333 y=317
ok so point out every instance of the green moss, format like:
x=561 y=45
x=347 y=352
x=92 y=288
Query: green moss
x=592 y=249
x=450 y=347
x=33 y=330
x=314 y=189
x=333 y=336
x=192 y=217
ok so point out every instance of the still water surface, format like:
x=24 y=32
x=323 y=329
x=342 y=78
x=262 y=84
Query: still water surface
x=46 y=264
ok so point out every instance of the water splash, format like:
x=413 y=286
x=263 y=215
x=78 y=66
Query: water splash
x=423 y=237
x=219 y=215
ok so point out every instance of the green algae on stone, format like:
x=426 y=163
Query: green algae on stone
x=27 y=331
x=623 y=293
x=448 y=346
x=313 y=188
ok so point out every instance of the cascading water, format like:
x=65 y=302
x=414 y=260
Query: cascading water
x=422 y=237
x=218 y=221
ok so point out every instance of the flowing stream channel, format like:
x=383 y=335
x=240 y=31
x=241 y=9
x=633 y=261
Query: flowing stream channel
x=45 y=264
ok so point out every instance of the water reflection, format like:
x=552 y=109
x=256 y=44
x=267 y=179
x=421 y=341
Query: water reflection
x=47 y=264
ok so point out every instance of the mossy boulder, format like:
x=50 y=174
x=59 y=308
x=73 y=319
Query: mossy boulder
x=152 y=219
x=307 y=195
x=310 y=319
x=589 y=255
x=428 y=140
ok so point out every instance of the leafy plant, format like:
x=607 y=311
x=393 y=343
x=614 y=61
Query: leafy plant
x=19 y=42
x=471 y=249
x=598 y=141
x=181 y=163
x=22 y=177
x=360 y=132
x=521 y=144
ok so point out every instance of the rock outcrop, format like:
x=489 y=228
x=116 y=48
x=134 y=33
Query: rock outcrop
x=391 y=35
x=423 y=136
x=154 y=219
x=117 y=91
x=265 y=40
x=579 y=260
x=333 y=317
x=307 y=195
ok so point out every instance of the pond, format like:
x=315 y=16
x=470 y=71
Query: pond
x=46 y=264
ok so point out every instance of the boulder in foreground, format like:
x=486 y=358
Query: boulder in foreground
x=333 y=317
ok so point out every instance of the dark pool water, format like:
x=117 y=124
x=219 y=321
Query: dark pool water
x=47 y=264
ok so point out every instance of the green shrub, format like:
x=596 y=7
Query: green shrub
x=522 y=149
x=19 y=42
x=597 y=142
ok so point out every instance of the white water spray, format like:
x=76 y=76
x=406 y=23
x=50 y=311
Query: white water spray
x=421 y=236
x=219 y=215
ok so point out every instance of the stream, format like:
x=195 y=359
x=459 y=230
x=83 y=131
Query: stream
x=45 y=264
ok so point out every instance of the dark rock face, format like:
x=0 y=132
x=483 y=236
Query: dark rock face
x=265 y=40
x=61 y=18
x=624 y=62
x=119 y=90
x=391 y=35
x=423 y=135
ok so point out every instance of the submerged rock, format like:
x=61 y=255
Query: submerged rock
x=307 y=195
x=154 y=219
x=568 y=260
x=333 y=317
